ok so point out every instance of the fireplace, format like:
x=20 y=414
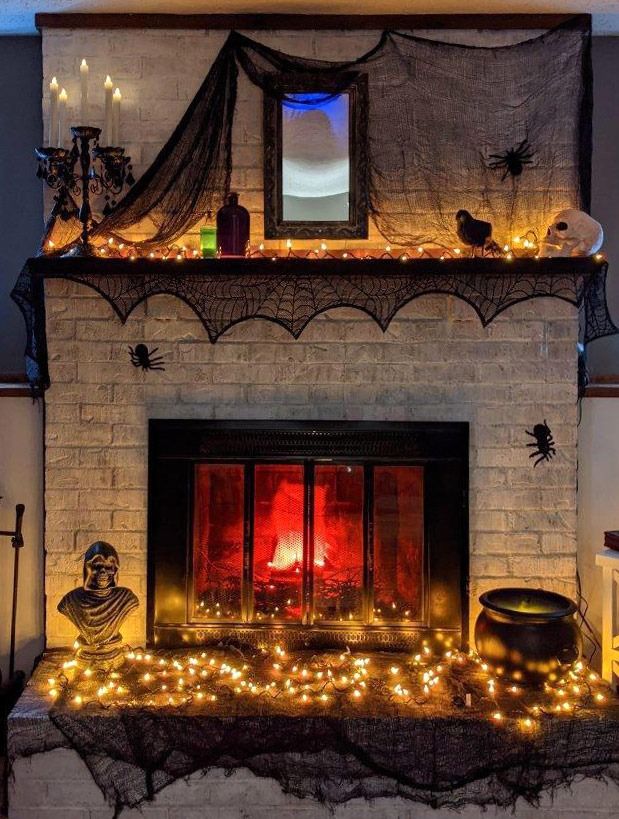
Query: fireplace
x=312 y=533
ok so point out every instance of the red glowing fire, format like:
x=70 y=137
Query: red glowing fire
x=287 y=507
x=289 y=552
x=280 y=568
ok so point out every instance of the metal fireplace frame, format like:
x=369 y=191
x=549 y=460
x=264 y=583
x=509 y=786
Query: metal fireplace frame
x=176 y=446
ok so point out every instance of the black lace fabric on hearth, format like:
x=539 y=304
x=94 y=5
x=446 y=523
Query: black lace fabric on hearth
x=438 y=113
x=439 y=753
x=441 y=761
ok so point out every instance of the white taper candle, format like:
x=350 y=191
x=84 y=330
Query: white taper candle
x=107 y=127
x=52 y=135
x=62 y=117
x=116 y=116
x=84 y=92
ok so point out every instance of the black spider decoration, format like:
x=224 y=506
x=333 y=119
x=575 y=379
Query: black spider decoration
x=513 y=160
x=544 y=443
x=142 y=357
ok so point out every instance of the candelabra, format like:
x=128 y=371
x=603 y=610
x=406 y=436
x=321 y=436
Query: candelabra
x=79 y=172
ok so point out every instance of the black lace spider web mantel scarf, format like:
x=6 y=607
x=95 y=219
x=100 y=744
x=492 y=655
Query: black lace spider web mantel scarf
x=438 y=113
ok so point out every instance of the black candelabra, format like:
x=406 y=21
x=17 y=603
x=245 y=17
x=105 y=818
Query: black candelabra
x=80 y=172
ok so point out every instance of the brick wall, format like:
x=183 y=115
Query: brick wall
x=60 y=779
x=159 y=73
x=435 y=362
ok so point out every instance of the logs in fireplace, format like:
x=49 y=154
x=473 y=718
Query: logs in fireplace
x=312 y=533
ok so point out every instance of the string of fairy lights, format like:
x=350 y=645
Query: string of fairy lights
x=522 y=246
x=435 y=679
x=327 y=681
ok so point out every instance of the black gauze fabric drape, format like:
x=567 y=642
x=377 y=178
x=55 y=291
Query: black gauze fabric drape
x=440 y=115
x=191 y=174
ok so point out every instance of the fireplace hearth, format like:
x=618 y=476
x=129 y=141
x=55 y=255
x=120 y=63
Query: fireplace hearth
x=312 y=534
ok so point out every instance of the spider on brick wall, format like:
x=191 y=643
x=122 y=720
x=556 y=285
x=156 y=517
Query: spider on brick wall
x=142 y=357
x=544 y=443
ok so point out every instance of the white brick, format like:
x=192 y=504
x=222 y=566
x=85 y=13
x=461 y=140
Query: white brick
x=226 y=796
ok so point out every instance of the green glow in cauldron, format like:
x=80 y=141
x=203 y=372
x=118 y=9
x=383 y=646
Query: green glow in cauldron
x=527 y=634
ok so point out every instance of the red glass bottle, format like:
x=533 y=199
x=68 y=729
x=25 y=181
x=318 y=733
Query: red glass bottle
x=232 y=227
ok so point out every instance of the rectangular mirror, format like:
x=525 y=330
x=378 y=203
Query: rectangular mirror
x=315 y=159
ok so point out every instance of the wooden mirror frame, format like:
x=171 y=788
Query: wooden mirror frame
x=356 y=226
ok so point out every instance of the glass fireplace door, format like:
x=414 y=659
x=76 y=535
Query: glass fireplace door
x=312 y=544
x=218 y=541
x=279 y=543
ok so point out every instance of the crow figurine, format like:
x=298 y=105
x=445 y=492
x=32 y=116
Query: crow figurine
x=472 y=232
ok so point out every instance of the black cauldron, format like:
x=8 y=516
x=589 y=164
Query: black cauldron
x=528 y=635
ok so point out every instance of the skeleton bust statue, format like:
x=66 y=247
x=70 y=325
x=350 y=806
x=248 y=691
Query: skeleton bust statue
x=99 y=608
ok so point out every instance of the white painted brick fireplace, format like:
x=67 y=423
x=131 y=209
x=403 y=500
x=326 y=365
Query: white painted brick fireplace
x=435 y=363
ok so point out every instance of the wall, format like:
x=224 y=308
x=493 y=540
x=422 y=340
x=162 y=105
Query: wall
x=160 y=71
x=58 y=784
x=21 y=481
x=21 y=202
x=603 y=355
x=598 y=492
x=20 y=228
x=435 y=362
x=594 y=450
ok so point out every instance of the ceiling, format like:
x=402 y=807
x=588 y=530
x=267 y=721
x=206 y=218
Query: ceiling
x=17 y=16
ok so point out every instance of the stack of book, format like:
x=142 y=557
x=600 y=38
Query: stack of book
x=611 y=540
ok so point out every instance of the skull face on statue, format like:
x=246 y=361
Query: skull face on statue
x=100 y=566
x=572 y=233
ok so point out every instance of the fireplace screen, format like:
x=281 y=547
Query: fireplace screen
x=322 y=529
x=309 y=558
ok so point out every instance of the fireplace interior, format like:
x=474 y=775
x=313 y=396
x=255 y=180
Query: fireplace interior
x=326 y=533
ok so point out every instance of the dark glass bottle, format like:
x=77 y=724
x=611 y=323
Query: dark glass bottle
x=232 y=227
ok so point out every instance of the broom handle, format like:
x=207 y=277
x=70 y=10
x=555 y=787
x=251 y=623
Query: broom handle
x=17 y=541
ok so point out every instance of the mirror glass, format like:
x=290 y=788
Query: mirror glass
x=316 y=157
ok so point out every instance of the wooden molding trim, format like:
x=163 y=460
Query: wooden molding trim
x=16 y=392
x=306 y=22
x=604 y=379
x=610 y=391
x=14 y=385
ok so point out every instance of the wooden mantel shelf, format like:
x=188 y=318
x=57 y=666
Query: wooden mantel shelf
x=303 y=22
x=51 y=266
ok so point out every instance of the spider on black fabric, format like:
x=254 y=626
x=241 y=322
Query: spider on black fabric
x=513 y=160
x=142 y=357
x=544 y=443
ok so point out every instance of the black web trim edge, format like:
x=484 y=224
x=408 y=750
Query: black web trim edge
x=292 y=292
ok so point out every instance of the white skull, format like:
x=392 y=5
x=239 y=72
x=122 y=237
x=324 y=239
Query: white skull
x=572 y=233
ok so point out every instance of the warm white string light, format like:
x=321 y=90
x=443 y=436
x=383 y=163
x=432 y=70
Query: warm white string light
x=525 y=246
x=327 y=680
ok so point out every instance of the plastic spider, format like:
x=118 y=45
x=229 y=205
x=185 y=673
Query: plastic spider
x=513 y=160
x=544 y=443
x=142 y=357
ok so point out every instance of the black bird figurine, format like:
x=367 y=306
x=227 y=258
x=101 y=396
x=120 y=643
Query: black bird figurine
x=472 y=232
